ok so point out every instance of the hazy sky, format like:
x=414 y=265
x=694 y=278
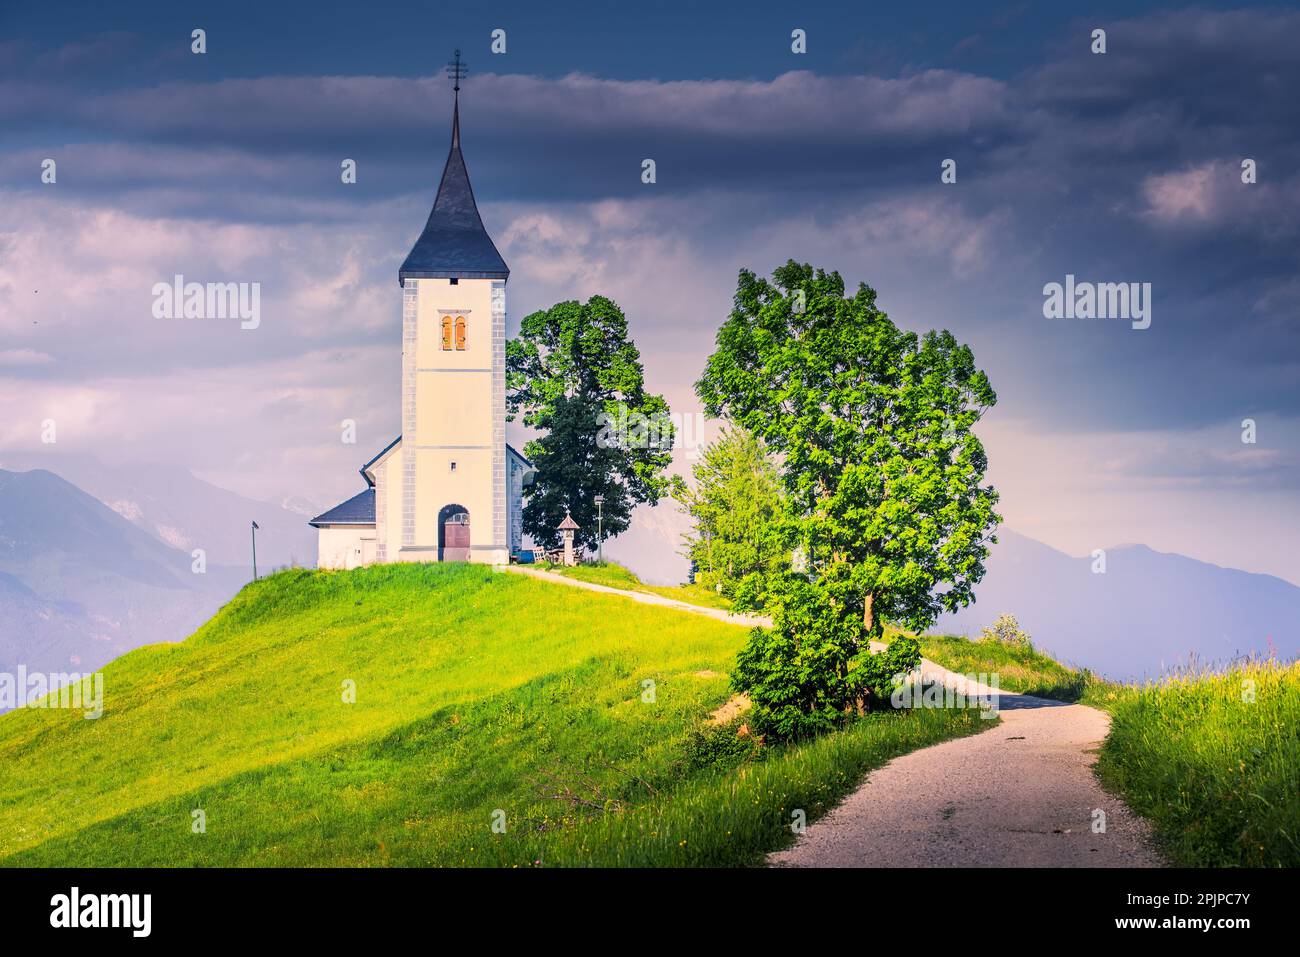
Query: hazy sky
x=225 y=167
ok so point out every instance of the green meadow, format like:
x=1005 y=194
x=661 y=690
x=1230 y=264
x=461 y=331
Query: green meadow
x=616 y=576
x=1213 y=760
x=450 y=715
x=425 y=715
x=1019 y=668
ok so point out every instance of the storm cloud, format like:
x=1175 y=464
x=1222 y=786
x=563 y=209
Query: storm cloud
x=1117 y=168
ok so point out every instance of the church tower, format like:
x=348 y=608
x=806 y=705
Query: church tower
x=452 y=487
x=448 y=488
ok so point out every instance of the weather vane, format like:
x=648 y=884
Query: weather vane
x=457 y=70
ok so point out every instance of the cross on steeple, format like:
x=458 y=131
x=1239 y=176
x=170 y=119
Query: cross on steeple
x=457 y=71
x=454 y=244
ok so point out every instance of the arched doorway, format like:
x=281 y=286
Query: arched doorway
x=453 y=534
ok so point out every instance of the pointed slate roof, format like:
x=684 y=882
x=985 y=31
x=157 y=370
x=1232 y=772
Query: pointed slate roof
x=454 y=242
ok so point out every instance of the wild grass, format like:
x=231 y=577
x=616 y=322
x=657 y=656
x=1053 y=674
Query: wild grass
x=576 y=721
x=1019 y=668
x=616 y=576
x=1213 y=760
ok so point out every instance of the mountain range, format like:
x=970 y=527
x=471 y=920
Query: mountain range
x=185 y=512
x=1148 y=613
x=82 y=582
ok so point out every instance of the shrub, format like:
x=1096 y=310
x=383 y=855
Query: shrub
x=1007 y=631
x=722 y=746
x=814 y=668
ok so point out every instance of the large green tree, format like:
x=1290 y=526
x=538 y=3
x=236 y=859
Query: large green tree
x=574 y=375
x=736 y=507
x=883 y=477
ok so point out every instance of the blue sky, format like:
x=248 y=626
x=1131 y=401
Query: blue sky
x=1123 y=167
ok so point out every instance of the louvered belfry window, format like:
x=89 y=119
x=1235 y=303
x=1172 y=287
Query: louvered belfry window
x=446 y=333
x=460 y=333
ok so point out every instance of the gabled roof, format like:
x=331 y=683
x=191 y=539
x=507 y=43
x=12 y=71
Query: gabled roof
x=365 y=469
x=568 y=523
x=454 y=242
x=515 y=452
x=358 y=510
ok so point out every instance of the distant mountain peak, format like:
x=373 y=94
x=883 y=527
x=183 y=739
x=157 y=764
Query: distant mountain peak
x=1148 y=611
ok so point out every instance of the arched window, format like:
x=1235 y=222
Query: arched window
x=446 y=333
x=460 y=333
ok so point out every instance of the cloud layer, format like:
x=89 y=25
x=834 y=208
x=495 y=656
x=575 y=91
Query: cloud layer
x=1122 y=167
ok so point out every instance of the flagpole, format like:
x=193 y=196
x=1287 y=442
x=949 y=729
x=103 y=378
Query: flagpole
x=254 y=532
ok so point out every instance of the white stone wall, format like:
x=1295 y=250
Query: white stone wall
x=345 y=546
x=453 y=424
x=381 y=512
x=516 y=505
x=410 y=432
x=500 y=474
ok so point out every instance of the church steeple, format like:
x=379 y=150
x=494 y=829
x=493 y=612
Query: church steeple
x=454 y=243
x=456 y=70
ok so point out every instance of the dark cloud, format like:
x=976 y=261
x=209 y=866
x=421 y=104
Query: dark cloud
x=1122 y=167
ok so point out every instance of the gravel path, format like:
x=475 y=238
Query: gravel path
x=1021 y=794
x=648 y=598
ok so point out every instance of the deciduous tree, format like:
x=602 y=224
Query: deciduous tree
x=884 y=479
x=575 y=375
x=737 y=509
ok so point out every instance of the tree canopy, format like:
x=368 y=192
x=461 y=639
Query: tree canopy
x=575 y=376
x=736 y=507
x=882 y=472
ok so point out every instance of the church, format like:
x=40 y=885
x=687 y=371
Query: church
x=448 y=488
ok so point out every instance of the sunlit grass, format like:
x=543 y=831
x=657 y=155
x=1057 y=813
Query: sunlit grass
x=1213 y=759
x=1019 y=668
x=612 y=575
x=581 y=717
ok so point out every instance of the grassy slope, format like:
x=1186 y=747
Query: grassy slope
x=1019 y=668
x=1218 y=776
x=616 y=576
x=475 y=691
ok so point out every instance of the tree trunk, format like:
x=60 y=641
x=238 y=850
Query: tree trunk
x=869 y=615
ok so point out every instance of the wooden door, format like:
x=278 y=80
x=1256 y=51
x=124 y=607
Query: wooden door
x=454 y=535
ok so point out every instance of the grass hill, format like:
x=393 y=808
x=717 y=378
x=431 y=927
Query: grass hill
x=580 y=721
x=612 y=575
x=483 y=697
